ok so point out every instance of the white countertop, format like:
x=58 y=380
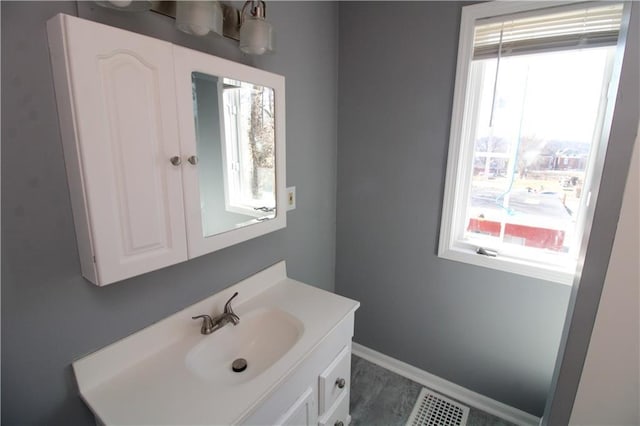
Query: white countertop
x=144 y=379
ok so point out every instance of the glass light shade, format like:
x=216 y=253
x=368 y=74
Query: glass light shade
x=199 y=17
x=126 y=5
x=256 y=36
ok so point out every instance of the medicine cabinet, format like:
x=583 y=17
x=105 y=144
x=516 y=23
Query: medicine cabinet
x=170 y=153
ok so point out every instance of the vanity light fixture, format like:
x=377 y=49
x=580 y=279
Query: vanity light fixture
x=248 y=25
x=256 y=34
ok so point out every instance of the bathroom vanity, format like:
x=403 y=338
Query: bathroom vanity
x=296 y=340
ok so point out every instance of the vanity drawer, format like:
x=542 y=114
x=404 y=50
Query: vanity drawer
x=339 y=414
x=334 y=380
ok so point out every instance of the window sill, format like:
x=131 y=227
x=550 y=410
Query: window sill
x=560 y=275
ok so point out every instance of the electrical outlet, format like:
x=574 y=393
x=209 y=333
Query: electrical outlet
x=291 y=198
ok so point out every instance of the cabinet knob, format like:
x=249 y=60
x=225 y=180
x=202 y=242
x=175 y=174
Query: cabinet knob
x=340 y=382
x=176 y=161
x=193 y=160
x=338 y=423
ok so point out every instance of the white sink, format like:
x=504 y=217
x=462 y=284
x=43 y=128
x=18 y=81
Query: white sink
x=262 y=337
x=169 y=373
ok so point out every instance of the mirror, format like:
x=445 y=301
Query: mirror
x=232 y=131
x=235 y=144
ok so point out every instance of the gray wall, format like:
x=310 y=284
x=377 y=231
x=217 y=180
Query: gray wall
x=492 y=332
x=50 y=314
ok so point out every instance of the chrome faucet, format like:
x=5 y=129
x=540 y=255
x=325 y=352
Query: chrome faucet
x=209 y=325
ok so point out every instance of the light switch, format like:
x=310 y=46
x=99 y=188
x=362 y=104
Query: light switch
x=291 y=198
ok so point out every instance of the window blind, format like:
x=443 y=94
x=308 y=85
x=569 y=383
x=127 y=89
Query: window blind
x=586 y=26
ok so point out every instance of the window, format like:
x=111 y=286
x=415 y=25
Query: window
x=528 y=133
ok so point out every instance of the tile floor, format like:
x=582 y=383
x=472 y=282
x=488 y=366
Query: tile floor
x=380 y=397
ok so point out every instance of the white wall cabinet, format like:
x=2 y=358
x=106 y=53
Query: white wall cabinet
x=134 y=195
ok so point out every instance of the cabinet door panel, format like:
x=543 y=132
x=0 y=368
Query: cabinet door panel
x=301 y=412
x=133 y=114
x=213 y=221
x=122 y=86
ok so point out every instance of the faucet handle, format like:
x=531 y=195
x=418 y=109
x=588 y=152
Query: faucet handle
x=229 y=311
x=207 y=324
x=227 y=306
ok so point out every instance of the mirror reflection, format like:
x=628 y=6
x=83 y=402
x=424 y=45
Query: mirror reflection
x=235 y=138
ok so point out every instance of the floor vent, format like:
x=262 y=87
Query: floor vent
x=432 y=409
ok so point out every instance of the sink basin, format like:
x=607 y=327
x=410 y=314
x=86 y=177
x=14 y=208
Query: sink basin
x=262 y=337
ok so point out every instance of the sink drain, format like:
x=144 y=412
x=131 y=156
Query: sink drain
x=239 y=365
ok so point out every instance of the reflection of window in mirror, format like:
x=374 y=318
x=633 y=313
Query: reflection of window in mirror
x=248 y=151
x=220 y=165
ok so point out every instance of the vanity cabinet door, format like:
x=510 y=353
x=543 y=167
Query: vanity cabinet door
x=301 y=413
x=116 y=104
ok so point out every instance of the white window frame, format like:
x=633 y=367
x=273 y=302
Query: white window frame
x=451 y=246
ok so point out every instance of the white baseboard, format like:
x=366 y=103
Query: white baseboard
x=447 y=388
